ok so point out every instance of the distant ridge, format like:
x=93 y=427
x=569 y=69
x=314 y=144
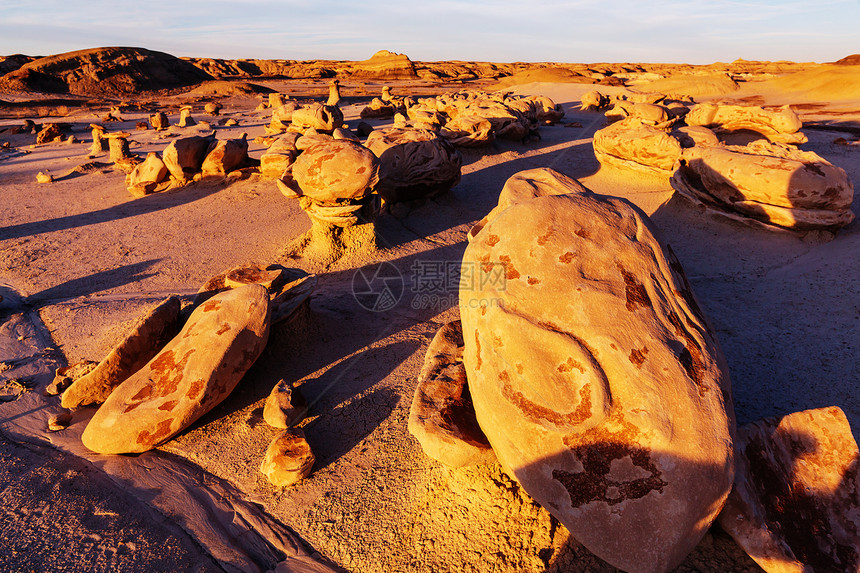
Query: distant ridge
x=104 y=71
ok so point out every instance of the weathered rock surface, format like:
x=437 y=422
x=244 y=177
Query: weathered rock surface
x=226 y=155
x=48 y=133
x=634 y=144
x=147 y=177
x=468 y=131
x=184 y=157
x=159 y=121
x=323 y=118
x=772 y=183
x=147 y=337
x=288 y=459
x=335 y=170
x=191 y=375
x=413 y=163
x=442 y=416
x=288 y=288
x=285 y=406
x=795 y=506
x=780 y=126
x=63 y=377
x=594 y=375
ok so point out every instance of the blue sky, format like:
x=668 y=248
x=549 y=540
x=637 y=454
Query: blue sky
x=693 y=31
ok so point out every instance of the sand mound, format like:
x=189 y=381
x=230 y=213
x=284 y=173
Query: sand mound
x=695 y=86
x=227 y=88
x=385 y=65
x=852 y=60
x=552 y=75
x=827 y=83
x=101 y=71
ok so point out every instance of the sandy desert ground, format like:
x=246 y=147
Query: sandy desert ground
x=80 y=259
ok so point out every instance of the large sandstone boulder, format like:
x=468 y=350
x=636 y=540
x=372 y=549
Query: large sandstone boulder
x=795 y=507
x=279 y=156
x=442 y=416
x=468 y=131
x=184 y=157
x=780 y=126
x=594 y=375
x=147 y=337
x=634 y=144
x=323 y=118
x=190 y=376
x=226 y=155
x=414 y=163
x=771 y=183
x=335 y=170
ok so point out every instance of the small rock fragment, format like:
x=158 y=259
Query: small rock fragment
x=59 y=421
x=285 y=406
x=288 y=459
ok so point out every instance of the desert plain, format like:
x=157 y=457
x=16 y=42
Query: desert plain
x=81 y=258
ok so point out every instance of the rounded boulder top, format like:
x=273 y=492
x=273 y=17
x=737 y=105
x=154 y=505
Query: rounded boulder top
x=337 y=169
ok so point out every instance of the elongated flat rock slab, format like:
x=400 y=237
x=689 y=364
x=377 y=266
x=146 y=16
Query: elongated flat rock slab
x=191 y=375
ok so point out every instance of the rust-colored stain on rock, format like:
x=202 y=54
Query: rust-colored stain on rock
x=593 y=483
x=536 y=412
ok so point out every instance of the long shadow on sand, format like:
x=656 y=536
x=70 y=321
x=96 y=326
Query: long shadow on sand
x=141 y=206
x=96 y=282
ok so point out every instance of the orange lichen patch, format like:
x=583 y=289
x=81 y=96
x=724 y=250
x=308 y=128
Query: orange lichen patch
x=637 y=357
x=634 y=291
x=162 y=431
x=570 y=365
x=211 y=305
x=493 y=240
x=167 y=372
x=582 y=233
x=510 y=272
x=224 y=328
x=566 y=258
x=195 y=389
x=169 y=405
x=533 y=281
x=542 y=239
x=478 y=350
x=596 y=449
x=537 y=413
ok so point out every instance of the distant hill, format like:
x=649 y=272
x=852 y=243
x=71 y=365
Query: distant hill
x=852 y=60
x=104 y=71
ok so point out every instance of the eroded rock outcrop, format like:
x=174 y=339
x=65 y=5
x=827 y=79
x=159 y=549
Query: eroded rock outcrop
x=225 y=156
x=594 y=375
x=148 y=177
x=442 y=416
x=779 y=126
x=795 y=507
x=193 y=373
x=413 y=163
x=775 y=184
x=638 y=145
x=184 y=157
